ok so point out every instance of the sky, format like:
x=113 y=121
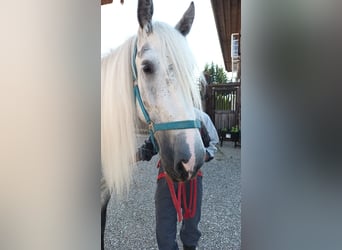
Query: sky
x=119 y=22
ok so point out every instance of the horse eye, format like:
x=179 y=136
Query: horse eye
x=147 y=67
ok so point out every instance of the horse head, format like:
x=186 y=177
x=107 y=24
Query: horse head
x=165 y=78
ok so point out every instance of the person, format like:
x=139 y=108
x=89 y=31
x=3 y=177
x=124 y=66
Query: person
x=165 y=195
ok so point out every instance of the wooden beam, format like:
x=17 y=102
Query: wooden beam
x=106 y=2
x=227 y=14
x=109 y=1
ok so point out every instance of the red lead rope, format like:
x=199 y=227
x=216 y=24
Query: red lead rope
x=189 y=210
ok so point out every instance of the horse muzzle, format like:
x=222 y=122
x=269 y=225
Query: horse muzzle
x=184 y=157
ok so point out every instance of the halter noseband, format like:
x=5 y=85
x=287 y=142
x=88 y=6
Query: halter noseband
x=153 y=127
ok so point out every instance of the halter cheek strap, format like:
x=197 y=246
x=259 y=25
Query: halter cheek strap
x=153 y=127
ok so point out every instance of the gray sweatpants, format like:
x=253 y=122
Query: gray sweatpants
x=166 y=217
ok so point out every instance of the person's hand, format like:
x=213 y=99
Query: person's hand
x=207 y=156
x=146 y=154
x=146 y=151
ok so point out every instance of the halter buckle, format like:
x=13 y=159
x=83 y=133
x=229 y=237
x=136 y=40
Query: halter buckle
x=151 y=126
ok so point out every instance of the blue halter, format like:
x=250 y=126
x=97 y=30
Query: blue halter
x=153 y=127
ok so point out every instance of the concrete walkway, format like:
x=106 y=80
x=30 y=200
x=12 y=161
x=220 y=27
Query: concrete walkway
x=131 y=221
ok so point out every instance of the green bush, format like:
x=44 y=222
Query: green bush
x=215 y=73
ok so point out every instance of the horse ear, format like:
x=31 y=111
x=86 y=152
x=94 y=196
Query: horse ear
x=145 y=12
x=184 y=25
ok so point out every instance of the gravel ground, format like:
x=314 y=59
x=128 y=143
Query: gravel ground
x=131 y=220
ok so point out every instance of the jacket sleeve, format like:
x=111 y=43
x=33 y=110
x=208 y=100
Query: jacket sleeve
x=214 y=139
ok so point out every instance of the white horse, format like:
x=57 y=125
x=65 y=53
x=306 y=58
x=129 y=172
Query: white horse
x=150 y=77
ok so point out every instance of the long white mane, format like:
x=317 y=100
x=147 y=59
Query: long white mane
x=118 y=108
x=118 y=140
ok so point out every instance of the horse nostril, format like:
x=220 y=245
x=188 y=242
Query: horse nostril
x=181 y=170
x=184 y=174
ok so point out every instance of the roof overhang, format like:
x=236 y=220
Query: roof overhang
x=227 y=14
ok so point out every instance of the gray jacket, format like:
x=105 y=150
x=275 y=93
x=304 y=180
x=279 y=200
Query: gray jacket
x=214 y=139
